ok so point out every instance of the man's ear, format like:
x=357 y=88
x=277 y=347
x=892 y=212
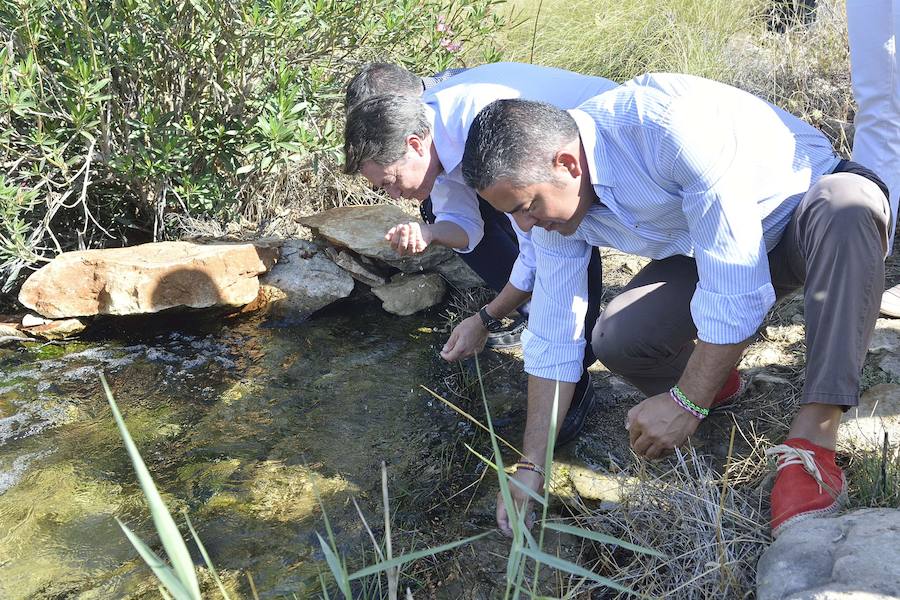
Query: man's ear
x=568 y=161
x=417 y=144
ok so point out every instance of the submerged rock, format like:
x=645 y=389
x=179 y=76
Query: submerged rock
x=58 y=329
x=408 y=294
x=362 y=229
x=856 y=555
x=146 y=279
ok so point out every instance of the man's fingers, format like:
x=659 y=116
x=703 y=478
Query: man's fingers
x=404 y=237
x=641 y=445
x=503 y=517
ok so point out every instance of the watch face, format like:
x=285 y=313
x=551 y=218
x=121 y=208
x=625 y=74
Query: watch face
x=490 y=323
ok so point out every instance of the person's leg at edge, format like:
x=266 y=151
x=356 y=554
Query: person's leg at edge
x=873 y=27
x=835 y=246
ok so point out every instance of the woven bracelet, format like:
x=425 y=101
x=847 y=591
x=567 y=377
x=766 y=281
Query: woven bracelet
x=527 y=466
x=682 y=401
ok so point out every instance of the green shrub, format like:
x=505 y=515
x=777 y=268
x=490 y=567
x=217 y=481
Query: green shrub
x=115 y=114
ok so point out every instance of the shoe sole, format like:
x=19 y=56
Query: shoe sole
x=822 y=512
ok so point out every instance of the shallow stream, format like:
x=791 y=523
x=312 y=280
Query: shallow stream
x=237 y=421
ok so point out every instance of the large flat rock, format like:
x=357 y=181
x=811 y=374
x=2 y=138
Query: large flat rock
x=362 y=229
x=146 y=279
x=856 y=555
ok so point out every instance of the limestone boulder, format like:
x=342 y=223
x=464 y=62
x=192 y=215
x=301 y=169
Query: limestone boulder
x=146 y=279
x=407 y=294
x=362 y=229
x=304 y=281
x=878 y=413
x=856 y=555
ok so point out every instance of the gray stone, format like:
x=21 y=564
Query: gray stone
x=890 y=364
x=309 y=282
x=886 y=337
x=407 y=294
x=878 y=412
x=458 y=274
x=362 y=229
x=856 y=555
x=361 y=272
x=146 y=279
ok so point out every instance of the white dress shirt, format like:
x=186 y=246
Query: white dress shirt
x=680 y=165
x=452 y=106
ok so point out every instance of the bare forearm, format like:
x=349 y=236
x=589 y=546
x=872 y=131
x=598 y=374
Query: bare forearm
x=509 y=299
x=447 y=234
x=707 y=370
x=540 y=406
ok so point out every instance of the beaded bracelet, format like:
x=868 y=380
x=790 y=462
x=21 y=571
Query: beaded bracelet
x=682 y=401
x=527 y=466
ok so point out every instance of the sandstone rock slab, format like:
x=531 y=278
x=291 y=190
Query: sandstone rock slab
x=362 y=229
x=408 y=294
x=831 y=558
x=305 y=282
x=146 y=279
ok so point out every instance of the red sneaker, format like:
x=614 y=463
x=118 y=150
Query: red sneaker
x=808 y=484
x=733 y=388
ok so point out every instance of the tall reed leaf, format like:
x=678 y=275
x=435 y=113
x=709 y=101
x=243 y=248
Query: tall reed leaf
x=402 y=560
x=165 y=526
x=561 y=564
x=162 y=571
x=602 y=538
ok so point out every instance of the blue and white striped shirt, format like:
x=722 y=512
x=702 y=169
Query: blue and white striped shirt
x=680 y=165
x=453 y=105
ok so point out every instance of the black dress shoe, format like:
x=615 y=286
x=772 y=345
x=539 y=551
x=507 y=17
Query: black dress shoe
x=582 y=405
x=508 y=337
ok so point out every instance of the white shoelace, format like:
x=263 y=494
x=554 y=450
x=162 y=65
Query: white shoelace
x=788 y=455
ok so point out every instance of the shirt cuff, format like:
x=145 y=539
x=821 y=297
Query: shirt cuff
x=560 y=361
x=522 y=276
x=474 y=231
x=732 y=318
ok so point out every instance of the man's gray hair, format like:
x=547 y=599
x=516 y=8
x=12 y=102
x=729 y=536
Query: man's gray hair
x=515 y=141
x=377 y=129
x=379 y=78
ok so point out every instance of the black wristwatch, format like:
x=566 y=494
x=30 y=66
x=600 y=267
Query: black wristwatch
x=489 y=322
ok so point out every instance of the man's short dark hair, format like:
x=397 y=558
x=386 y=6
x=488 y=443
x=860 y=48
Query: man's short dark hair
x=515 y=141
x=378 y=79
x=377 y=129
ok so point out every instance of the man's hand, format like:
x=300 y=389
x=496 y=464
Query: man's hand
x=657 y=425
x=409 y=238
x=531 y=480
x=467 y=339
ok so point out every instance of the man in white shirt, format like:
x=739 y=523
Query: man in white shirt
x=737 y=202
x=412 y=147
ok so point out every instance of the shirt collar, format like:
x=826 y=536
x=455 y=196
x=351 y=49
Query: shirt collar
x=597 y=158
x=446 y=152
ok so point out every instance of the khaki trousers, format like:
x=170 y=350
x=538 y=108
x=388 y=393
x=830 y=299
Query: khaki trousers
x=833 y=247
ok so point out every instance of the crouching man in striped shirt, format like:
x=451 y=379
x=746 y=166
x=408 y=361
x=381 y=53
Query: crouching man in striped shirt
x=737 y=203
